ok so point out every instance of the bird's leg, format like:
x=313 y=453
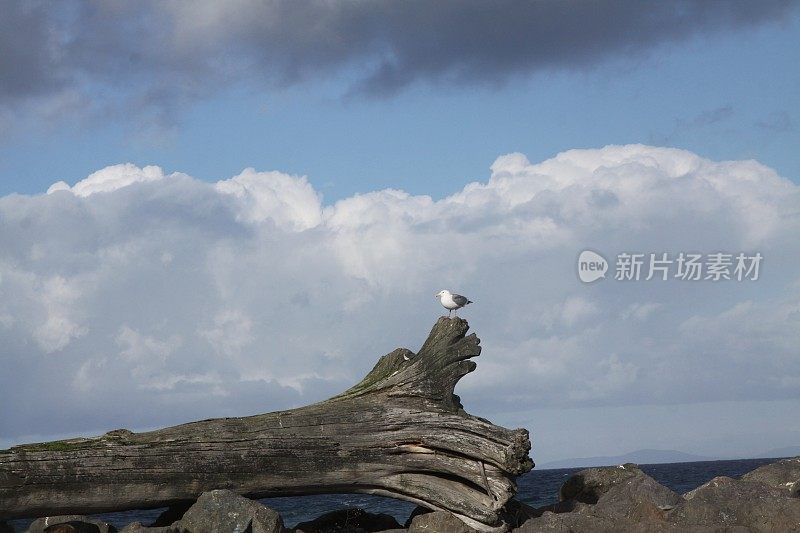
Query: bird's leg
x=449 y=313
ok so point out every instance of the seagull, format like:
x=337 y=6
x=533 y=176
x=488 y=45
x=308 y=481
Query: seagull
x=452 y=302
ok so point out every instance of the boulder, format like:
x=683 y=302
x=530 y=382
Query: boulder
x=418 y=510
x=783 y=474
x=172 y=514
x=608 y=499
x=223 y=510
x=440 y=522
x=350 y=520
x=576 y=522
x=516 y=513
x=728 y=503
x=588 y=485
x=620 y=491
x=137 y=527
x=69 y=524
x=582 y=520
x=638 y=498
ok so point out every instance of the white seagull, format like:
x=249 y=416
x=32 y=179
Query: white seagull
x=452 y=302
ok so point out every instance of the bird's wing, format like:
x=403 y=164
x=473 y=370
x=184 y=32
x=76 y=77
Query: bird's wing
x=461 y=300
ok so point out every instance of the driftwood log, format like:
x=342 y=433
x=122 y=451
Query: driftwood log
x=401 y=432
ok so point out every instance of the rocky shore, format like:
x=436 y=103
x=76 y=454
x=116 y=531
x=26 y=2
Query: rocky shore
x=596 y=500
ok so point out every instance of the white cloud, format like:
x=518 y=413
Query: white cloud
x=288 y=201
x=577 y=308
x=639 y=311
x=112 y=178
x=177 y=299
x=45 y=307
x=230 y=334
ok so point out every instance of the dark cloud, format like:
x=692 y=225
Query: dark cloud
x=156 y=55
x=28 y=63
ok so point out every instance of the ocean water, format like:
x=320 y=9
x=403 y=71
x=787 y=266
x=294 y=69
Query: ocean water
x=536 y=488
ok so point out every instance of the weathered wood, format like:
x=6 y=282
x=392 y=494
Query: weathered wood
x=400 y=432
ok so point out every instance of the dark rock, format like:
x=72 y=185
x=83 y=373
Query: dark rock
x=516 y=513
x=588 y=485
x=5 y=527
x=608 y=499
x=351 y=520
x=223 y=510
x=172 y=514
x=638 y=498
x=137 y=527
x=783 y=474
x=566 y=506
x=583 y=521
x=440 y=522
x=727 y=503
x=69 y=524
x=418 y=510
x=619 y=491
x=576 y=522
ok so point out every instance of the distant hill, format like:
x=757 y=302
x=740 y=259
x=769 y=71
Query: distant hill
x=789 y=451
x=643 y=457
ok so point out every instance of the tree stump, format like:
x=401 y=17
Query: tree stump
x=400 y=432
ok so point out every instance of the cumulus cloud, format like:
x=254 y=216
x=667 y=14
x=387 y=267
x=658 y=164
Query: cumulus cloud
x=156 y=56
x=135 y=298
x=110 y=179
x=286 y=200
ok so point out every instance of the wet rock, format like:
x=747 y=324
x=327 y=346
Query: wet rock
x=223 y=510
x=728 y=503
x=783 y=474
x=440 y=522
x=351 y=520
x=69 y=524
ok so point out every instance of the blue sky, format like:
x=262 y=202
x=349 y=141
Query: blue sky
x=254 y=201
x=728 y=94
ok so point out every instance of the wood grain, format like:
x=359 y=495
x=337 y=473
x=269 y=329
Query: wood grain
x=400 y=432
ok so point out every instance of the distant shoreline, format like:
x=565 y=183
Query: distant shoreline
x=654 y=457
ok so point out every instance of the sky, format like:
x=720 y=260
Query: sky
x=220 y=209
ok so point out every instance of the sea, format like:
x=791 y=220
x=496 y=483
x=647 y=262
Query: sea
x=536 y=488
